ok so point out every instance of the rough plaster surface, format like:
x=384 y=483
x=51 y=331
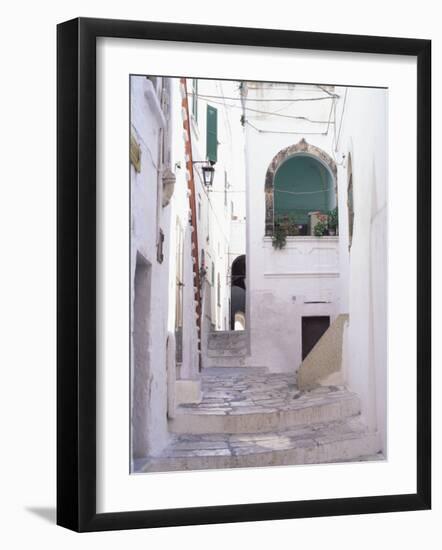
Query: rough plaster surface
x=188 y=391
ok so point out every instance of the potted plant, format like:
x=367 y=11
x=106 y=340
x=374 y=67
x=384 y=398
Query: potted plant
x=320 y=228
x=333 y=221
x=279 y=238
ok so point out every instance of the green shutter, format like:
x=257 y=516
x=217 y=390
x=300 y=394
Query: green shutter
x=212 y=134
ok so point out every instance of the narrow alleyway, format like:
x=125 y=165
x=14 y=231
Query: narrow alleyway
x=249 y=417
x=258 y=323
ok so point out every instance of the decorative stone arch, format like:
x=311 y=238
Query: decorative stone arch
x=302 y=147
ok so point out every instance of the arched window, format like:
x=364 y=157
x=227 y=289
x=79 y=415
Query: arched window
x=350 y=204
x=300 y=190
x=303 y=192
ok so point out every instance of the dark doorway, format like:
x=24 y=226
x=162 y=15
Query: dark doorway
x=238 y=290
x=312 y=330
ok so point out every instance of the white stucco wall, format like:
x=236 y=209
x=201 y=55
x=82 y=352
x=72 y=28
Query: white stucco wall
x=214 y=220
x=149 y=383
x=279 y=282
x=214 y=223
x=364 y=136
x=355 y=282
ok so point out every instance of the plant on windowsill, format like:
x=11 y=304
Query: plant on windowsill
x=333 y=222
x=279 y=238
x=320 y=229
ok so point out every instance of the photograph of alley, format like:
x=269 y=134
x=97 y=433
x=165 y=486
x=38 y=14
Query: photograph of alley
x=258 y=276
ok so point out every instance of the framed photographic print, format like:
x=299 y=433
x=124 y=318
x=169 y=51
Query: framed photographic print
x=243 y=274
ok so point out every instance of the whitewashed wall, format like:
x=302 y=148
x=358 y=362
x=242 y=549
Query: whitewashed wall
x=214 y=219
x=364 y=136
x=149 y=397
x=214 y=225
x=179 y=206
x=307 y=269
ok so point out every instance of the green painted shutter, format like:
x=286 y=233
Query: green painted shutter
x=212 y=134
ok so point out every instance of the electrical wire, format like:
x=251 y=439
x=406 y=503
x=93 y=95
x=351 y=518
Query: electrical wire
x=336 y=139
x=342 y=117
x=288 y=87
x=276 y=99
x=330 y=115
x=261 y=131
x=326 y=91
x=224 y=101
x=302 y=192
x=292 y=117
x=211 y=205
x=233 y=191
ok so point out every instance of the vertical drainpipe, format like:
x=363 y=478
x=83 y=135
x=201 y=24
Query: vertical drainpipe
x=192 y=208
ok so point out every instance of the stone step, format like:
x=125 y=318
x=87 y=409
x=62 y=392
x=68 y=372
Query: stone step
x=339 y=441
x=226 y=344
x=214 y=374
x=227 y=361
x=219 y=347
x=261 y=408
x=219 y=340
x=234 y=335
x=228 y=333
x=226 y=353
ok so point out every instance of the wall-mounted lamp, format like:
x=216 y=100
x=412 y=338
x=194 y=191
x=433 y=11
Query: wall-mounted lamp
x=208 y=171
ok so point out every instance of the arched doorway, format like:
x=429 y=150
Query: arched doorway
x=238 y=293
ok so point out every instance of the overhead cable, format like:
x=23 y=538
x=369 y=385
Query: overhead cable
x=292 y=100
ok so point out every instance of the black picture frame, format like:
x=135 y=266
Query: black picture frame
x=77 y=287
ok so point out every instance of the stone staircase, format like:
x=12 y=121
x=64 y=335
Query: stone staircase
x=250 y=418
x=227 y=348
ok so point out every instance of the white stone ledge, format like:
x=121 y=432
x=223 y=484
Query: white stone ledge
x=302 y=275
x=306 y=239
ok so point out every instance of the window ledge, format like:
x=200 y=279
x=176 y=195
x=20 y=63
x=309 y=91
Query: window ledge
x=305 y=238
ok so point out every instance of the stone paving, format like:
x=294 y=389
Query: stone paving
x=246 y=390
x=339 y=441
x=260 y=424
